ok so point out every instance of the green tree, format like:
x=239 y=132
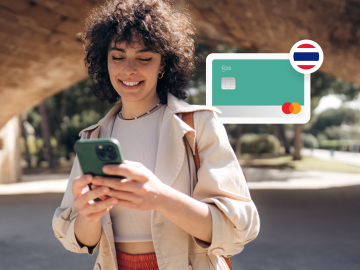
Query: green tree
x=69 y=112
x=335 y=117
x=323 y=84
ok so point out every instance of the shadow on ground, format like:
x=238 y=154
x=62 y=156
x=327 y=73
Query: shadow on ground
x=305 y=229
x=300 y=229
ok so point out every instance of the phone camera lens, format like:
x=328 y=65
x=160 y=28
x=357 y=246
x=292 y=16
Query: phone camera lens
x=112 y=156
x=110 y=148
x=102 y=152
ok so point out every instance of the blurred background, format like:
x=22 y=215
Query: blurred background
x=304 y=179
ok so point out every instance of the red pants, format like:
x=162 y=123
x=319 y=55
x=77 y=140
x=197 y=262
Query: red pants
x=139 y=262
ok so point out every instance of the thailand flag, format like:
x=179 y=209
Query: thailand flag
x=306 y=56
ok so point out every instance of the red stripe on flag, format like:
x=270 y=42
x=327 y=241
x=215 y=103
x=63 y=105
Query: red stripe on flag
x=304 y=46
x=306 y=66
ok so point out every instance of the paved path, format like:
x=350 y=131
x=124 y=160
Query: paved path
x=258 y=178
x=300 y=229
x=27 y=241
x=305 y=230
x=305 y=224
x=344 y=157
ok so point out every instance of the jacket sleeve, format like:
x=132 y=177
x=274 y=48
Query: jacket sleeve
x=221 y=184
x=65 y=216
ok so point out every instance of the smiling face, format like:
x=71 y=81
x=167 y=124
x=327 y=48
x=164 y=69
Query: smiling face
x=133 y=71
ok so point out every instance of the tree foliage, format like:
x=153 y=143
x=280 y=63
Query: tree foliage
x=335 y=117
x=82 y=109
x=323 y=84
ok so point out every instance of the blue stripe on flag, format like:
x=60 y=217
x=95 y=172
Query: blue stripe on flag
x=306 y=56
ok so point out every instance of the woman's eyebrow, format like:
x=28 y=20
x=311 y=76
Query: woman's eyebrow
x=122 y=50
x=144 y=50
x=116 y=49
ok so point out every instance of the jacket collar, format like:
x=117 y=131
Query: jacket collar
x=172 y=132
x=173 y=103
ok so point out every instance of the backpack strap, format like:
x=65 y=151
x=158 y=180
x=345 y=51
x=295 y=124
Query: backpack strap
x=188 y=118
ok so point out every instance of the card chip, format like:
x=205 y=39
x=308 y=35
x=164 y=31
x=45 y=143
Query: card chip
x=228 y=83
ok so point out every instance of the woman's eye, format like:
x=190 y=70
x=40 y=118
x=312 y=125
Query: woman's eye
x=145 y=59
x=115 y=58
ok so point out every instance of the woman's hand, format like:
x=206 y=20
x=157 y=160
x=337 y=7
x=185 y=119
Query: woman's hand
x=144 y=192
x=84 y=199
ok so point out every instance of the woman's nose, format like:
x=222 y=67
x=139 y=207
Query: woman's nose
x=129 y=67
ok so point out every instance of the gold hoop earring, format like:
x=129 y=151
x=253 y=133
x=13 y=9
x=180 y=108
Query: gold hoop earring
x=162 y=74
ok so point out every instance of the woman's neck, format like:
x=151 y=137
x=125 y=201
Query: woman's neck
x=132 y=109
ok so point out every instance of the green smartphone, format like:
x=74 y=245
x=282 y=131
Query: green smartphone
x=94 y=154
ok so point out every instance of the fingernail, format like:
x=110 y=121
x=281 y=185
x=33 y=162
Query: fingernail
x=88 y=177
x=113 y=201
x=105 y=189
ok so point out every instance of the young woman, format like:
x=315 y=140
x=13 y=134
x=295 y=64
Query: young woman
x=140 y=55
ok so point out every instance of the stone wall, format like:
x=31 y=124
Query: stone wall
x=10 y=168
x=40 y=54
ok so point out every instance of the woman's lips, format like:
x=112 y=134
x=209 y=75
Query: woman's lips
x=131 y=87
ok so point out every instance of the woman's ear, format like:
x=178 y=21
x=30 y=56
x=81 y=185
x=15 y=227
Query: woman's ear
x=162 y=64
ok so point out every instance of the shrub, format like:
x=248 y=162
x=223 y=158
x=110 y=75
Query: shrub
x=338 y=144
x=309 y=140
x=343 y=132
x=259 y=144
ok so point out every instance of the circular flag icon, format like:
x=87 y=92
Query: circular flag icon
x=306 y=56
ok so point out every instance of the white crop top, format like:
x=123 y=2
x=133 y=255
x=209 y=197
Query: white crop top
x=139 y=141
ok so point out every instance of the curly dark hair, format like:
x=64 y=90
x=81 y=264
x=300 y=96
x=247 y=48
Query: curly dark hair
x=161 y=27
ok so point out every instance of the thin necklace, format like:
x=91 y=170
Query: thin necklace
x=120 y=114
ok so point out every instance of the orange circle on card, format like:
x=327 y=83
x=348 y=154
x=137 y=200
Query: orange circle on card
x=296 y=108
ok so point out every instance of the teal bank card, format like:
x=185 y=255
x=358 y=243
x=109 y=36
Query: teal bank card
x=257 y=88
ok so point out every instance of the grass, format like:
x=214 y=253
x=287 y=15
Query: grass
x=306 y=164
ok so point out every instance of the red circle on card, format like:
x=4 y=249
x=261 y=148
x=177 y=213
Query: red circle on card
x=286 y=108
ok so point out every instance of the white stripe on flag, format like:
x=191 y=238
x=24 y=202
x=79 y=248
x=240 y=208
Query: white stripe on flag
x=306 y=50
x=306 y=62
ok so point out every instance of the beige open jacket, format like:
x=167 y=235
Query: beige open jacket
x=220 y=184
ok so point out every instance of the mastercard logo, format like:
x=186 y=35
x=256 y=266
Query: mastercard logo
x=293 y=108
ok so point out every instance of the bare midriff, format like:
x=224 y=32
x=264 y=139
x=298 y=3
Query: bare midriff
x=135 y=247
